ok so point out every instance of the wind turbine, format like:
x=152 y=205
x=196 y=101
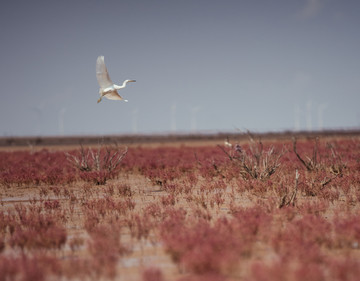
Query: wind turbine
x=308 y=115
x=194 y=112
x=38 y=110
x=61 y=120
x=297 y=113
x=321 y=109
x=173 y=117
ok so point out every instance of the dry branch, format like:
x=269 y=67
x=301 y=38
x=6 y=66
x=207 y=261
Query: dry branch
x=291 y=201
x=310 y=165
x=97 y=161
x=257 y=163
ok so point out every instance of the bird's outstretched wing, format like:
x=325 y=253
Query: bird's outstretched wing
x=102 y=74
x=113 y=95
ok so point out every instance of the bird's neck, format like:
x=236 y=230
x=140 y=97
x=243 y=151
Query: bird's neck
x=117 y=87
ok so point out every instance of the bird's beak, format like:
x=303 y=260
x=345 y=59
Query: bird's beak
x=132 y=80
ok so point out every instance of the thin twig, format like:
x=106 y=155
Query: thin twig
x=223 y=149
x=292 y=199
x=307 y=166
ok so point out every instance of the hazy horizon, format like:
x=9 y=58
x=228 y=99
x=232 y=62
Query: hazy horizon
x=200 y=66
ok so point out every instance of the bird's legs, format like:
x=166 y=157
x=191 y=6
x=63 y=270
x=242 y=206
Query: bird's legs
x=101 y=95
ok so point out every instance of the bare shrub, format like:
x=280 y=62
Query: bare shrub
x=311 y=163
x=97 y=166
x=323 y=167
x=257 y=162
x=107 y=159
x=287 y=199
x=329 y=160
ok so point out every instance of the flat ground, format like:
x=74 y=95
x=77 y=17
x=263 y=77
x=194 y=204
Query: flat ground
x=186 y=209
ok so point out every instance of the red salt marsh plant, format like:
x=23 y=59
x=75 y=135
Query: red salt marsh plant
x=334 y=269
x=108 y=206
x=164 y=164
x=344 y=268
x=316 y=207
x=347 y=231
x=314 y=237
x=204 y=248
x=37 y=267
x=105 y=248
x=205 y=277
x=22 y=167
x=286 y=271
x=2 y=243
x=250 y=224
x=140 y=226
x=31 y=229
x=168 y=200
x=152 y=274
x=52 y=204
x=124 y=190
x=301 y=240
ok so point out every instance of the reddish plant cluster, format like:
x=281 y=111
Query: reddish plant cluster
x=22 y=167
x=52 y=204
x=38 y=267
x=108 y=206
x=335 y=269
x=105 y=248
x=215 y=219
x=31 y=229
x=165 y=164
x=204 y=248
x=54 y=167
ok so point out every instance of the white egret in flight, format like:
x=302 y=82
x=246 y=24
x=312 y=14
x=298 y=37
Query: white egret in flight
x=107 y=88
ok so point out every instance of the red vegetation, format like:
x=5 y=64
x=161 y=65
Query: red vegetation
x=152 y=274
x=30 y=229
x=261 y=211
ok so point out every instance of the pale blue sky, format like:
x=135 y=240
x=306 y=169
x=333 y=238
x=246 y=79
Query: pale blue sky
x=200 y=65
